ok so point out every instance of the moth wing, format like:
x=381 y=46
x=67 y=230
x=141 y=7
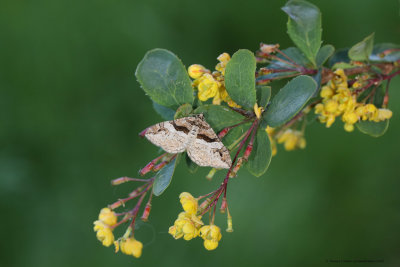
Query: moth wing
x=208 y=150
x=168 y=136
x=214 y=154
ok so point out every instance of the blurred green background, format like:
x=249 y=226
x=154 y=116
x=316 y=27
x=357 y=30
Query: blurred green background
x=71 y=111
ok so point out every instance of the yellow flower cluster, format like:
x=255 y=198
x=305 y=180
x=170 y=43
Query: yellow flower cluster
x=103 y=226
x=292 y=139
x=338 y=100
x=189 y=225
x=212 y=85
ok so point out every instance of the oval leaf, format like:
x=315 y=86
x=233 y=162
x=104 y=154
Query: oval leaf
x=324 y=53
x=163 y=178
x=290 y=100
x=362 y=50
x=261 y=155
x=372 y=128
x=164 y=78
x=240 y=79
x=219 y=117
x=304 y=27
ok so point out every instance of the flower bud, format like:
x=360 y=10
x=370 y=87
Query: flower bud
x=196 y=71
x=147 y=168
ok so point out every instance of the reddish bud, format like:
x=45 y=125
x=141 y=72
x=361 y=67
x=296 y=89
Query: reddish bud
x=385 y=100
x=146 y=213
x=147 y=168
x=160 y=166
x=224 y=204
x=223 y=132
x=247 y=152
x=235 y=169
x=118 y=181
x=116 y=204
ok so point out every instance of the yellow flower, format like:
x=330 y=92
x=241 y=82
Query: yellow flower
x=189 y=203
x=224 y=58
x=196 y=71
x=108 y=216
x=326 y=92
x=103 y=233
x=186 y=226
x=131 y=246
x=371 y=112
x=350 y=117
x=383 y=114
x=208 y=87
x=211 y=235
x=331 y=106
x=340 y=78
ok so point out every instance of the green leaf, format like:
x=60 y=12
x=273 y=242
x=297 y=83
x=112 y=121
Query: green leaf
x=374 y=129
x=163 y=178
x=263 y=95
x=362 y=50
x=190 y=164
x=164 y=112
x=240 y=78
x=304 y=27
x=183 y=111
x=290 y=100
x=218 y=116
x=164 y=78
x=261 y=155
x=324 y=53
x=385 y=52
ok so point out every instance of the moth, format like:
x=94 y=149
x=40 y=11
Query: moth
x=194 y=135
